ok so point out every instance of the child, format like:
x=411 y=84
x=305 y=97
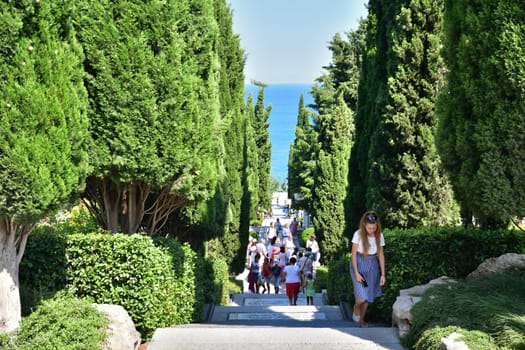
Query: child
x=309 y=288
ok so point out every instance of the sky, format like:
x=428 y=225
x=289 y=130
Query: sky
x=286 y=41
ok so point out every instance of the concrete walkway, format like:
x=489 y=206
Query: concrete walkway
x=268 y=321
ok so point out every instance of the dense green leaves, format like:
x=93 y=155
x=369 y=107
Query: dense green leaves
x=154 y=107
x=402 y=172
x=43 y=122
x=482 y=129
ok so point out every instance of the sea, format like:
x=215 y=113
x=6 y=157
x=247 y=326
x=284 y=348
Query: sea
x=284 y=99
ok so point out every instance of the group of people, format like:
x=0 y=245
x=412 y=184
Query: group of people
x=278 y=259
x=295 y=274
x=282 y=261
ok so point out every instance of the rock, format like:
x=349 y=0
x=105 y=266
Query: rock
x=401 y=311
x=121 y=329
x=502 y=263
x=450 y=343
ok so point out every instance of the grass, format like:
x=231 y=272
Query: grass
x=491 y=306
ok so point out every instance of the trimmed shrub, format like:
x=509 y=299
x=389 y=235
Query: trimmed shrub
x=212 y=279
x=339 y=284
x=156 y=286
x=152 y=279
x=63 y=323
x=43 y=267
x=321 y=278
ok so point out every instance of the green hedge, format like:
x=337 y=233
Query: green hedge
x=153 y=280
x=416 y=256
x=61 y=323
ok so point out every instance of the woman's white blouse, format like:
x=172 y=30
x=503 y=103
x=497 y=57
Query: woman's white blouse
x=371 y=240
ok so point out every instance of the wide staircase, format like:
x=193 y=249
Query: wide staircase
x=267 y=321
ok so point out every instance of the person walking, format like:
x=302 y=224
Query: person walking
x=314 y=246
x=276 y=270
x=294 y=225
x=292 y=278
x=265 y=277
x=367 y=267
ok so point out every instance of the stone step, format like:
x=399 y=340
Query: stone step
x=275 y=312
x=233 y=337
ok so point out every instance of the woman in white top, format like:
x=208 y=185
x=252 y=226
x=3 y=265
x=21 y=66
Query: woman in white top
x=367 y=267
x=292 y=276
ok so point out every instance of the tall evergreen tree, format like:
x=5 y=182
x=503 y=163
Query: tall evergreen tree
x=153 y=108
x=371 y=73
x=223 y=217
x=250 y=175
x=264 y=146
x=299 y=155
x=335 y=128
x=43 y=130
x=481 y=134
x=404 y=179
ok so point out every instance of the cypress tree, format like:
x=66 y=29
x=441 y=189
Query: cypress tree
x=43 y=130
x=480 y=135
x=153 y=108
x=300 y=153
x=334 y=126
x=404 y=179
x=224 y=212
x=264 y=146
x=371 y=73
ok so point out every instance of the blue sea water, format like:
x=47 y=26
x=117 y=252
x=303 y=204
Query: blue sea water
x=284 y=99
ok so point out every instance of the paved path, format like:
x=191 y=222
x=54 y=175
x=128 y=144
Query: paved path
x=268 y=321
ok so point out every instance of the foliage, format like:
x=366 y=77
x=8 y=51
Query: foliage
x=63 y=323
x=432 y=338
x=416 y=256
x=154 y=280
x=305 y=235
x=321 y=278
x=154 y=108
x=481 y=129
x=397 y=170
x=155 y=285
x=264 y=147
x=211 y=277
x=334 y=129
x=42 y=99
x=299 y=156
x=339 y=284
x=218 y=219
x=493 y=305
x=43 y=271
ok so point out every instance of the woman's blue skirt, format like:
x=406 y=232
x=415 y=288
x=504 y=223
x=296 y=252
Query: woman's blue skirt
x=368 y=268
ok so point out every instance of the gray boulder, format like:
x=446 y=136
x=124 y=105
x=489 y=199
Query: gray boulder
x=502 y=263
x=121 y=329
x=401 y=311
x=451 y=342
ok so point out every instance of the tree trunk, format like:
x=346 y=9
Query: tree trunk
x=12 y=246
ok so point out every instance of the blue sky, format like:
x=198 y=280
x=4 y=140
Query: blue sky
x=286 y=40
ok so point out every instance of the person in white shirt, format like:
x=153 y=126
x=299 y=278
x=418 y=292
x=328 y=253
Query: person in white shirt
x=292 y=276
x=367 y=267
x=312 y=243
